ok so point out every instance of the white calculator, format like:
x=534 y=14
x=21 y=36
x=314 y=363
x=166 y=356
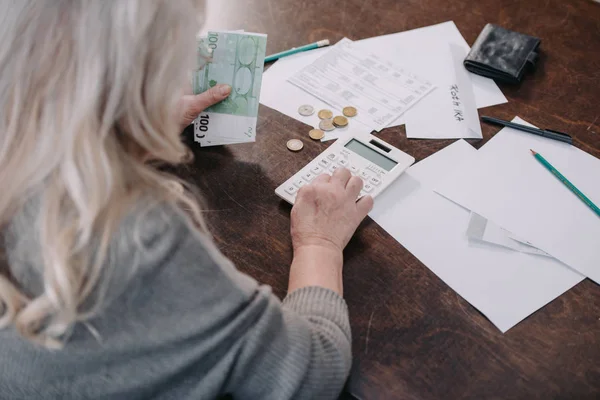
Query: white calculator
x=372 y=159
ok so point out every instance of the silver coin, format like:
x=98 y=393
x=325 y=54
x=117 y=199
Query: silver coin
x=326 y=125
x=306 y=110
x=295 y=145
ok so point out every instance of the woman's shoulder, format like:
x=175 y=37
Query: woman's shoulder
x=156 y=236
x=154 y=233
x=154 y=225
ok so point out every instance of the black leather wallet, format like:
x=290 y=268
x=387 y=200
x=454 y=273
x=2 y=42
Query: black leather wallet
x=502 y=55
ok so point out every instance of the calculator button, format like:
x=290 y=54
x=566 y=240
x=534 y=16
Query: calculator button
x=367 y=187
x=309 y=176
x=334 y=167
x=364 y=174
x=375 y=181
x=354 y=170
x=291 y=189
x=343 y=162
x=299 y=182
x=324 y=163
x=332 y=156
x=316 y=170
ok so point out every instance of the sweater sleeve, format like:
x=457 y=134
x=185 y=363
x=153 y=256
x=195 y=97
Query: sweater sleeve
x=300 y=350
x=209 y=330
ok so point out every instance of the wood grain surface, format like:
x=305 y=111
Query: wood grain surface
x=414 y=337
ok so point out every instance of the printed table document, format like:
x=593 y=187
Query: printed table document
x=380 y=90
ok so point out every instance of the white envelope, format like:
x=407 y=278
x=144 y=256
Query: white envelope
x=450 y=111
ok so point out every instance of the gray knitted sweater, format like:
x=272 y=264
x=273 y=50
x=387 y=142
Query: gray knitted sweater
x=183 y=323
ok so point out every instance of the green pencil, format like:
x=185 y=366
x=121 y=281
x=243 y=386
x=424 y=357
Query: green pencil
x=566 y=182
x=316 y=45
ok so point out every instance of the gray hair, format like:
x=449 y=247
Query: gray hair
x=89 y=91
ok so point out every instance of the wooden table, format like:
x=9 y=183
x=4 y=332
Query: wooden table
x=413 y=336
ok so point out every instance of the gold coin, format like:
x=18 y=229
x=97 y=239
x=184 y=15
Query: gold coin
x=325 y=114
x=295 y=145
x=326 y=125
x=316 y=134
x=340 y=122
x=350 y=111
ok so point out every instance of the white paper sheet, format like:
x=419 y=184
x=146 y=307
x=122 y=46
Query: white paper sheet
x=379 y=89
x=505 y=285
x=450 y=112
x=507 y=185
x=486 y=231
x=415 y=49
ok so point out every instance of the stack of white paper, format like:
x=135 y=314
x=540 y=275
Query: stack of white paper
x=425 y=51
x=505 y=184
x=505 y=285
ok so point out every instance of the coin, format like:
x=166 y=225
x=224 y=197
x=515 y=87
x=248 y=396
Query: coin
x=306 y=110
x=340 y=122
x=316 y=134
x=295 y=145
x=350 y=111
x=326 y=125
x=325 y=114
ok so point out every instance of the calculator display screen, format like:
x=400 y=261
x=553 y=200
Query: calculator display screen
x=371 y=155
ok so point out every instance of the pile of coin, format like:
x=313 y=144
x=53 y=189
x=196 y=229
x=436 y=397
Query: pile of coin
x=328 y=123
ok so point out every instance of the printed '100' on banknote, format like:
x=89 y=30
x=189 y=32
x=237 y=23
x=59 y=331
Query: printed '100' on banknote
x=236 y=59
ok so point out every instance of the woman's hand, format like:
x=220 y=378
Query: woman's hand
x=193 y=105
x=324 y=218
x=326 y=212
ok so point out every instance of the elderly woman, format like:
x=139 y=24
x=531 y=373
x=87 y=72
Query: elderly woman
x=114 y=289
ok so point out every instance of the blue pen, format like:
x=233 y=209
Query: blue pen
x=320 y=43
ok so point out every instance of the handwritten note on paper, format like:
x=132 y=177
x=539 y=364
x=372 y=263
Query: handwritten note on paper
x=449 y=113
x=380 y=90
x=458 y=110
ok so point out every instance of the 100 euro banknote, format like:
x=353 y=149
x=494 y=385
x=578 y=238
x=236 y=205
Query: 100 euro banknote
x=236 y=59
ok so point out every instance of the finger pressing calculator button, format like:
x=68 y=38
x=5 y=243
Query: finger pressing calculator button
x=332 y=156
x=291 y=189
x=299 y=182
x=367 y=187
x=354 y=170
x=309 y=176
x=364 y=174
x=375 y=181
x=343 y=162
x=324 y=163
x=316 y=170
x=334 y=167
